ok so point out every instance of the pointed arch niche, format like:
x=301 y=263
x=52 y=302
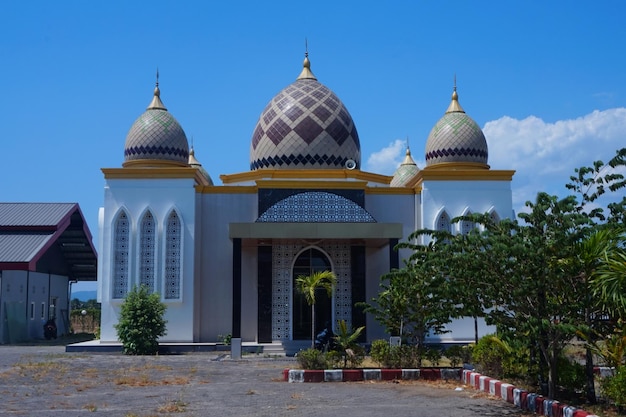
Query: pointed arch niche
x=173 y=250
x=443 y=222
x=466 y=226
x=121 y=240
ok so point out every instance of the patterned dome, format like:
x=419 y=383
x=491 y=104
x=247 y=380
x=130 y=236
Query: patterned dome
x=405 y=172
x=194 y=163
x=305 y=126
x=456 y=138
x=156 y=136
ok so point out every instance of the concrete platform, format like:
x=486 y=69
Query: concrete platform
x=96 y=346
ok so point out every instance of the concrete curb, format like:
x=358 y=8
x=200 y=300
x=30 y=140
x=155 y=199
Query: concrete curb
x=521 y=398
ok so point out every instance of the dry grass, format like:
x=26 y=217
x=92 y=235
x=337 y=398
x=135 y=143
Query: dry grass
x=173 y=406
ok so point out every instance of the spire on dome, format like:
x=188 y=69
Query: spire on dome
x=454 y=106
x=306 y=70
x=408 y=159
x=156 y=103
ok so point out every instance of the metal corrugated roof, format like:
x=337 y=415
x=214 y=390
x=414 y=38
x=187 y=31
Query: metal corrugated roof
x=21 y=247
x=33 y=214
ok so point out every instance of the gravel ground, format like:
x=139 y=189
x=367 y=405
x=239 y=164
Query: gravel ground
x=47 y=381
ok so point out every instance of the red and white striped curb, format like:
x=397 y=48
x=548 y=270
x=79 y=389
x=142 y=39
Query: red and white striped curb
x=346 y=375
x=521 y=398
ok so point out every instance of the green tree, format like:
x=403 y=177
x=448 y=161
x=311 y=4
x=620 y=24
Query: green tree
x=308 y=285
x=414 y=301
x=141 y=322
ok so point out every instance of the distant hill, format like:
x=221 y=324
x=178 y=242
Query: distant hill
x=84 y=295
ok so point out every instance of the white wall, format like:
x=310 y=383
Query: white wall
x=160 y=196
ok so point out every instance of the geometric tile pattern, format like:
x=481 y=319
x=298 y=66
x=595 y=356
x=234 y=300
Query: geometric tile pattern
x=315 y=207
x=156 y=135
x=120 y=256
x=456 y=138
x=284 y=253
x=304 y=126
x=147 y=251
x=405 y=172
x=172 y=257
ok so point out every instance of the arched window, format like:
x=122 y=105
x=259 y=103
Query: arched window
x=494 y=217
x=307 y=263
x=120 y=256
x=172 y=257
x=466 y=225
x=443 y=222
x=147 y=250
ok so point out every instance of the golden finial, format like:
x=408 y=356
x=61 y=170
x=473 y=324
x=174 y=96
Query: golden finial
x=306 y=70
x=156 y=103
x=454 y=106
x=408 y=159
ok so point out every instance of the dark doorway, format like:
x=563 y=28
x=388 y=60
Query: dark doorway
x=307 y=263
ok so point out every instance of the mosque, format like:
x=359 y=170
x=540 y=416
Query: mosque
x=224 y=257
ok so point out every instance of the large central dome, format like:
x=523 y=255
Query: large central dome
x=305 y=126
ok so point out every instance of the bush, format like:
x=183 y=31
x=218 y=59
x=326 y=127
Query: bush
x=313 y=359
x=404 y=356
x=379 y=352
x=491 y=356
x=141 y=322
x=614 y=387
x=457 y=355
x=433 y=355
x=571 y=375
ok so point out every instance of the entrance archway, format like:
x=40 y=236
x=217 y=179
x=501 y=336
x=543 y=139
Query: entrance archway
x=307 y=263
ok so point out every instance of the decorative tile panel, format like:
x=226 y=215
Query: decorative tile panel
x=316 y=207
x=147 y=251
x=120 y=256
x=173 y=238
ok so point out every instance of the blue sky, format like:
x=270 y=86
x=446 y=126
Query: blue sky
x=545 y=80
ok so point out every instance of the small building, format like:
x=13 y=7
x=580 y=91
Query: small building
x=44 y=248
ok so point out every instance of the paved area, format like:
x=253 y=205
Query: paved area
x=47 y=381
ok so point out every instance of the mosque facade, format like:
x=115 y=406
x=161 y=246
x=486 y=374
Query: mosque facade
x=224 y=257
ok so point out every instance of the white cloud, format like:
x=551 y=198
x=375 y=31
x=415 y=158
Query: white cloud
x=387 y=160
x=545 y=155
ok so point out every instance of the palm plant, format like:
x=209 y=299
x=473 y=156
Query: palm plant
x=346 y=340
x=308 y=285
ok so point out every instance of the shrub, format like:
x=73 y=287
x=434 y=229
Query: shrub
x=354 y=356
x=141 y=322
x=433 y=355
x=313 y=359
x=457 y=354
x=404 y=356
x=614 y=387
x=491 y=356
x=379 y=352
x=571 y=375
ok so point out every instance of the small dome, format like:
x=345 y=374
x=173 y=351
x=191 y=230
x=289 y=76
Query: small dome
x=156 y=137
x=194 y=163
x=456 y=138
x=405 y=172
x=305 y=126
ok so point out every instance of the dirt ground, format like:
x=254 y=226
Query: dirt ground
x=47 y=381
